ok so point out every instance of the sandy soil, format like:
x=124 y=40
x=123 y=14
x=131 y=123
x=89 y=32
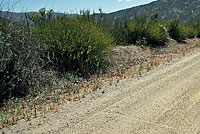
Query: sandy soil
x=164 y=100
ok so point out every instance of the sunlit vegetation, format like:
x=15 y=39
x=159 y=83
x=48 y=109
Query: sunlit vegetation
x=140 y=31
x=78 y=44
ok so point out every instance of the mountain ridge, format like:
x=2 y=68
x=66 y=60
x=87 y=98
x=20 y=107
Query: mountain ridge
x=167 y=10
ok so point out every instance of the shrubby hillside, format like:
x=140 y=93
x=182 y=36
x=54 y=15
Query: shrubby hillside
x=167 y=9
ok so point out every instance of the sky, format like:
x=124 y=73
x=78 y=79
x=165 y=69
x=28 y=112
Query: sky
x=71 y=6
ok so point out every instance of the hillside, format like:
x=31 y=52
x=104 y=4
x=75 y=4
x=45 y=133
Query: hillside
x=167 y=9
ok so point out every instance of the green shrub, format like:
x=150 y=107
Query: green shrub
x=146 y=32
x=140 y=31
x=26 y=54
x=13 y=80
x=116 y=32
x=121 y=31
x=198 y=28
x=157 y=34
x=22 y=59
x=152 y=32
x=13 y=74
x=76 y=44
x=190 y=31
x=176 y=30
x=181 y=30
x=137 y=30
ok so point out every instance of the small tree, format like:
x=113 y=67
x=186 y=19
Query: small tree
x=154 y=18
x=176 y=31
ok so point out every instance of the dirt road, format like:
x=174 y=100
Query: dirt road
x=165 y=100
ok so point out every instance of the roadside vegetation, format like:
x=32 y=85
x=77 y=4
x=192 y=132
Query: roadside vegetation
x=41 y=50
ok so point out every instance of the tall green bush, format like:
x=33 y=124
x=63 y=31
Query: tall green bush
x=176 y=30
x=181 y=30
x=116 y=31
x=22 y=60
x=140 y=31
x=76 y=44
x=189 y=30
x=144 y=32
x=198 y=28
x=13 y=72
x=137 y=29
x=156 y=34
